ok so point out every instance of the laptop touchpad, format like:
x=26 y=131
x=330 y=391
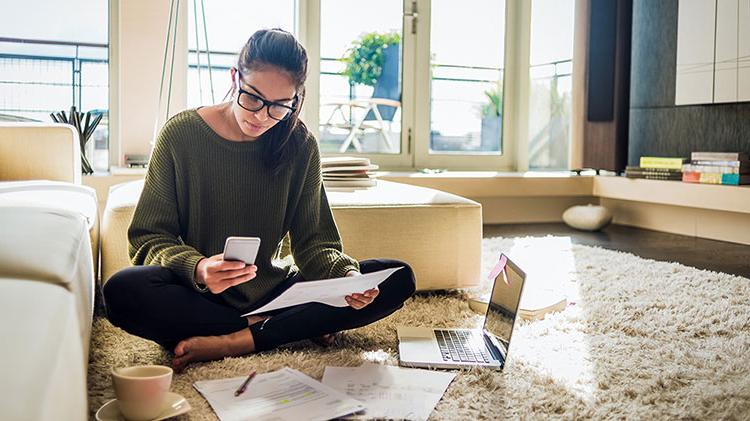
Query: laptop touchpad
x=415 y=333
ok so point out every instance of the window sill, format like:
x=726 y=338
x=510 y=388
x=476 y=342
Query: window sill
x=482 y=184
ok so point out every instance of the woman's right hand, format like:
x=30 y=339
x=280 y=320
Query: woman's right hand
x=218 y=274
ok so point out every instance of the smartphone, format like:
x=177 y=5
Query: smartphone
x=244 y=249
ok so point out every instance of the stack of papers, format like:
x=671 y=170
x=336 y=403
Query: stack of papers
x=365 y=392
x=390 y=392
x=348 y=172
x=285 y=394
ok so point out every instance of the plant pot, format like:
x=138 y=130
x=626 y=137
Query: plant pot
x=492 y=133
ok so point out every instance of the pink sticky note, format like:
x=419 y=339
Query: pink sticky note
x=500 y=267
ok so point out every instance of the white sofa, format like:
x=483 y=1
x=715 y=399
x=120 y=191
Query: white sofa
x=48 y=256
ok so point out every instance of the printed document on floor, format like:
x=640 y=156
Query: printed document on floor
x=390 y=392
x=327 y=291
x=285 y=394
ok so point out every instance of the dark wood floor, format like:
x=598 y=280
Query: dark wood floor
x=713 y=255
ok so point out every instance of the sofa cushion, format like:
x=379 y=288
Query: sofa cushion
x=44 y=364
x=60 y=195
x=439 y=234
x=54 y=147
x=50 y=245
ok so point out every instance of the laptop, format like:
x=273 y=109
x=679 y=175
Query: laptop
x=459 y=348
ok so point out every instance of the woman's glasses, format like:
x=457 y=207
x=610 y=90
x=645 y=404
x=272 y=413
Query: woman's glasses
x=254 y=103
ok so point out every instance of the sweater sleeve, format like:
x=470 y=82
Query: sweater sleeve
x=154 y=233
x=315 y=240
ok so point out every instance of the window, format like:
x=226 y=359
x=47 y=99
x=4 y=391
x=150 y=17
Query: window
x=228 y=25
x=51 y=62
x=465 y=91
x=550 y=67
x=447 y=106
x=360 y=76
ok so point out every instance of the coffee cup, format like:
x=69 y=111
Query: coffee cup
x=141 y=390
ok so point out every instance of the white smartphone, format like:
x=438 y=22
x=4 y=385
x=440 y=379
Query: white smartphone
x=244 y=249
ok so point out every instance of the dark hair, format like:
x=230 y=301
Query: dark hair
x=278 y=48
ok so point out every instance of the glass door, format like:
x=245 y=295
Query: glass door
x=465 y=52
x=551 y=86
x=363 y=55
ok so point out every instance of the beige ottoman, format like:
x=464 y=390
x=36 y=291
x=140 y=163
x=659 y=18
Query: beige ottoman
x=439 y=234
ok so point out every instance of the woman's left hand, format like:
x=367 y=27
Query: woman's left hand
x=360 y=301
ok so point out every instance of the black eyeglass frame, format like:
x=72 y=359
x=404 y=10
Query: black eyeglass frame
x=265 y=103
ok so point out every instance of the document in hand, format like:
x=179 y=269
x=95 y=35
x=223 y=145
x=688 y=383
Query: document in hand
x=327 y=291
x=285 y=394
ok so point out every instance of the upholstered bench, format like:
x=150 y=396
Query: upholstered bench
x=439 y=234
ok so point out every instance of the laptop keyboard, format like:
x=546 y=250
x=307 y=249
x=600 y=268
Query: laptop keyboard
x=463 y=346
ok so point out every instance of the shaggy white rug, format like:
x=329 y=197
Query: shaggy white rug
x=640 y=339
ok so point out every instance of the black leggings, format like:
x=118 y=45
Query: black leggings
x=153 y=303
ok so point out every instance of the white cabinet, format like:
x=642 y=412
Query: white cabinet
x=713 y=52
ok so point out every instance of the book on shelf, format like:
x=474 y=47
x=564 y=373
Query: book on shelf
x=731 y=168
x=662 y=162
x=707 y=168
x=348 y=171
x=653 y=173
x=737 y=164
x=719 y=156
x=715 y=178
x=649 y=176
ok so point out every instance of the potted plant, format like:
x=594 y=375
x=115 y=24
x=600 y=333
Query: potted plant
x=364 y=59
x=492 y=119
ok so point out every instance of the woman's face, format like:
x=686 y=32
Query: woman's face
x=268 y=83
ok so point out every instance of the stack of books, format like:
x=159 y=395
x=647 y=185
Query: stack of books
x=348 y=172
x=731 y=168
x=657 y=168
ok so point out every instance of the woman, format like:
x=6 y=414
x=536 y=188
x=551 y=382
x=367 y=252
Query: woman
x=246 y=167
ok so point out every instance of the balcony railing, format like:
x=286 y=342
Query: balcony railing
x=38 y=77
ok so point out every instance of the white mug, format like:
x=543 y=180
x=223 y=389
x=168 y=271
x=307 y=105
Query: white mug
x=141 y=390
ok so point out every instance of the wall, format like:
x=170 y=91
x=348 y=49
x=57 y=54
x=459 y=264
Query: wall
x=657 y=126
x=138 y=33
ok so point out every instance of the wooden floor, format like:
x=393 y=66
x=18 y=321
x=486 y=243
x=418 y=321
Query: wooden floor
x=713 y=255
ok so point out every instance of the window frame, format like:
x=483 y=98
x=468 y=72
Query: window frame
x=415 y=132
x=415 y=119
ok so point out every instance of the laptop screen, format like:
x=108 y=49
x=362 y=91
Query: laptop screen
x=503 y=305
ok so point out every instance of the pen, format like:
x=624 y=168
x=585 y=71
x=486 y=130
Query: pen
x=244 y=384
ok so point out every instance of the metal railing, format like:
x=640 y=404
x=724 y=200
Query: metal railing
x=74 y=64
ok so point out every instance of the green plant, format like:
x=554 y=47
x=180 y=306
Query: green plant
x=364 y=59
x=85 y=128
x=494 y=106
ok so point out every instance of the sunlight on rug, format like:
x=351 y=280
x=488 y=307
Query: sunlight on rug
x=638 y=339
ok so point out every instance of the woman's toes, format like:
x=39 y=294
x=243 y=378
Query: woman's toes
x=180 y=349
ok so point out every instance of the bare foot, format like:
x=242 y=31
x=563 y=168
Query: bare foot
x=325 y=340
x=206 y=348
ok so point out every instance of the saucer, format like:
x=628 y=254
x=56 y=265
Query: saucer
x=177 y=405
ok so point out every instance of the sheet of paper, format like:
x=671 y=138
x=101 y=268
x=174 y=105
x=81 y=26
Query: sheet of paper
x=327 y=291
x=285 y=394
x=390 y=392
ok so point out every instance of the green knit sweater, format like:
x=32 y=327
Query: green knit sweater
x=201 y=188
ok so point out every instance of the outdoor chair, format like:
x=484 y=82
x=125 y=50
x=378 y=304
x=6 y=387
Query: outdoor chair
x=377 y=112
